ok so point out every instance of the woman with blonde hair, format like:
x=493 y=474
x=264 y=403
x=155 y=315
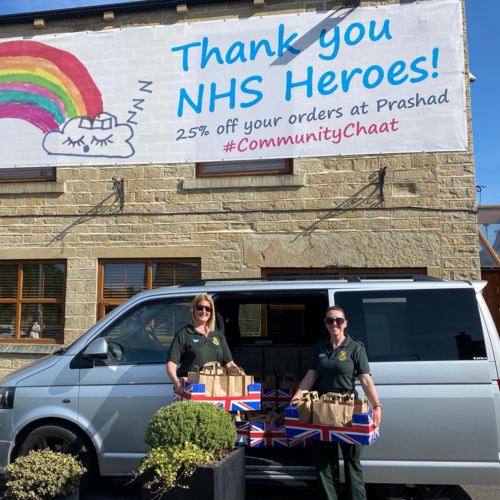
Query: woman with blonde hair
x=197 y=343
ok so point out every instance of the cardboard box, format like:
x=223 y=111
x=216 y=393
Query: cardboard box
x=257 y=435
x=196 y=392
x=242 y=433
x=269 y=399
x=298 y=443
x=284 y=396
x=361 y=432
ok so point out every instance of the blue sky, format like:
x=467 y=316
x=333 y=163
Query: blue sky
x=19 y=6
x=484 y=40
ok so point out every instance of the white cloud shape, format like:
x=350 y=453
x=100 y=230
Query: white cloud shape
x=102 y=137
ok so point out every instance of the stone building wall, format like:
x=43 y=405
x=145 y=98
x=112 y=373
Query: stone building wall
x=327 y=214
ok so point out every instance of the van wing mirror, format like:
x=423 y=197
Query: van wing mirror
x=97 y=349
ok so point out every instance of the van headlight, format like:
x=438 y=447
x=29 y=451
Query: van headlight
x=7 y=398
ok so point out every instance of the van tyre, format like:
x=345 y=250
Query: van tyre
x=62 y=439
x=414 y=491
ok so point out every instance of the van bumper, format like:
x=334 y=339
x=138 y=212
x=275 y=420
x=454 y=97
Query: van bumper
x=5 y=451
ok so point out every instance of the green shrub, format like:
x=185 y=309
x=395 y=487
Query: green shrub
x=209 y=427
x=42 y=475
x=173 y=465
x=183 y=436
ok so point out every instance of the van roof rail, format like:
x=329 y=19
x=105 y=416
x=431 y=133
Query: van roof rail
x=350 y=278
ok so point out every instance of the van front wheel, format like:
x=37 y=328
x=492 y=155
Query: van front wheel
x=414 y=491
x=61 y=439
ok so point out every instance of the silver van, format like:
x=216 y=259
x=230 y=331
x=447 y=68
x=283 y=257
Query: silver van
x=432 y=345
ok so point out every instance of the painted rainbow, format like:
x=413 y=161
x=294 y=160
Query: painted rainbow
x=45 y=86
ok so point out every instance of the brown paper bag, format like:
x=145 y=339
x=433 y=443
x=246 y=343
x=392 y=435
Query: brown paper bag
x=220 y=383
x=305 y=405
x=334 y=409
x=361 y=405
x=204 y=376
x=288 y=381
x=236 y=382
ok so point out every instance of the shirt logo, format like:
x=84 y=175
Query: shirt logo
x=322 y=355
x=342 y=356
x=215 y=340
x=195 y=340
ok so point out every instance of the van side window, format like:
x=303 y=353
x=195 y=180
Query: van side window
x=143 y=335
x=415 y=325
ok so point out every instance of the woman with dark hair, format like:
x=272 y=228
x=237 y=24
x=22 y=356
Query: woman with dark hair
x=335 y=363
x=197 y=343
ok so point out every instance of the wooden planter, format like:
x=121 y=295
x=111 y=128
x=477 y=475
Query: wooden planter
x=73 y=496
x=223 y=481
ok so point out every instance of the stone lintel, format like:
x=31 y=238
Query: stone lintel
x=239 y=182
x=36 y=253
x=150 y=253
x=33 y=188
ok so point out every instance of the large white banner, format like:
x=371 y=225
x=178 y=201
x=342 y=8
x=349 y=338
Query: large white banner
x=384 y=79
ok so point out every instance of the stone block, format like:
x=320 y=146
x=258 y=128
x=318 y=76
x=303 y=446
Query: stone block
x=405 y=223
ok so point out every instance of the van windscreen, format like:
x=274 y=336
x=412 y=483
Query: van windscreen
x=415 y=325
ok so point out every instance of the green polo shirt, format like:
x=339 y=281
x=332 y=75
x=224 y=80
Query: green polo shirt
x=337 y=368
x=190 y=348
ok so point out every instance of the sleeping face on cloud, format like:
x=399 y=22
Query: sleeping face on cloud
x=102 y=137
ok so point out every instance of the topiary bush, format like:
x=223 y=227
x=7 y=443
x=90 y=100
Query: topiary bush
x=209 y=427
x=43 y=475
x=183 y=436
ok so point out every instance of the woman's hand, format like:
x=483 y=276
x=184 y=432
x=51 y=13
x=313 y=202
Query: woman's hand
x=377 y=415
x=178 y=387
x=296 y=397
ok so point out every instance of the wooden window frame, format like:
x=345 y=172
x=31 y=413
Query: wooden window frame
x=287 y=170
x=47 y=178
x=102 y=303
x=19 y=301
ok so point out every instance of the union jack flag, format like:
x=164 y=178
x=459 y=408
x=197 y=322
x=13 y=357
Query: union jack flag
x=273 y=442
x=361 y=432
x=298 y=443
x=196 y=392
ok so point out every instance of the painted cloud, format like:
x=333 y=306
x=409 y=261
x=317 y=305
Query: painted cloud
x=102 y=137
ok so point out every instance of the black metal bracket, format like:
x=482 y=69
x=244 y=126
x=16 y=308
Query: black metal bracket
x=479 y=189
x=381 y=182
x=119 y=187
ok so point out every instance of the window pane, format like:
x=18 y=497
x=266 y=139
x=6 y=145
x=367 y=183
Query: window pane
x=122 y=281
x=7 y=320
x=243 y=166
x=415 y=325
x=43 y=281
x=144 y=334
x=8 y=281
x=486 y=258
x=12 y=174
x=42 y=321
x=166 y=274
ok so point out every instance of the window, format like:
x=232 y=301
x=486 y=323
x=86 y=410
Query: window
x=253 y=167
x=43 y=174
x=272 y=332
x=119 y=279
x=144 y=334
x=415 y=325
x=32 y=301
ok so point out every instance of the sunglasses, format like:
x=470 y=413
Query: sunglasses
x=331 y=321
x=200 y=308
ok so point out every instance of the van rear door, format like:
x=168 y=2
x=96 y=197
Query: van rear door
x=429 y=362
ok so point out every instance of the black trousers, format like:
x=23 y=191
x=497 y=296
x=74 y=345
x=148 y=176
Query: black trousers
x=325 y=456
